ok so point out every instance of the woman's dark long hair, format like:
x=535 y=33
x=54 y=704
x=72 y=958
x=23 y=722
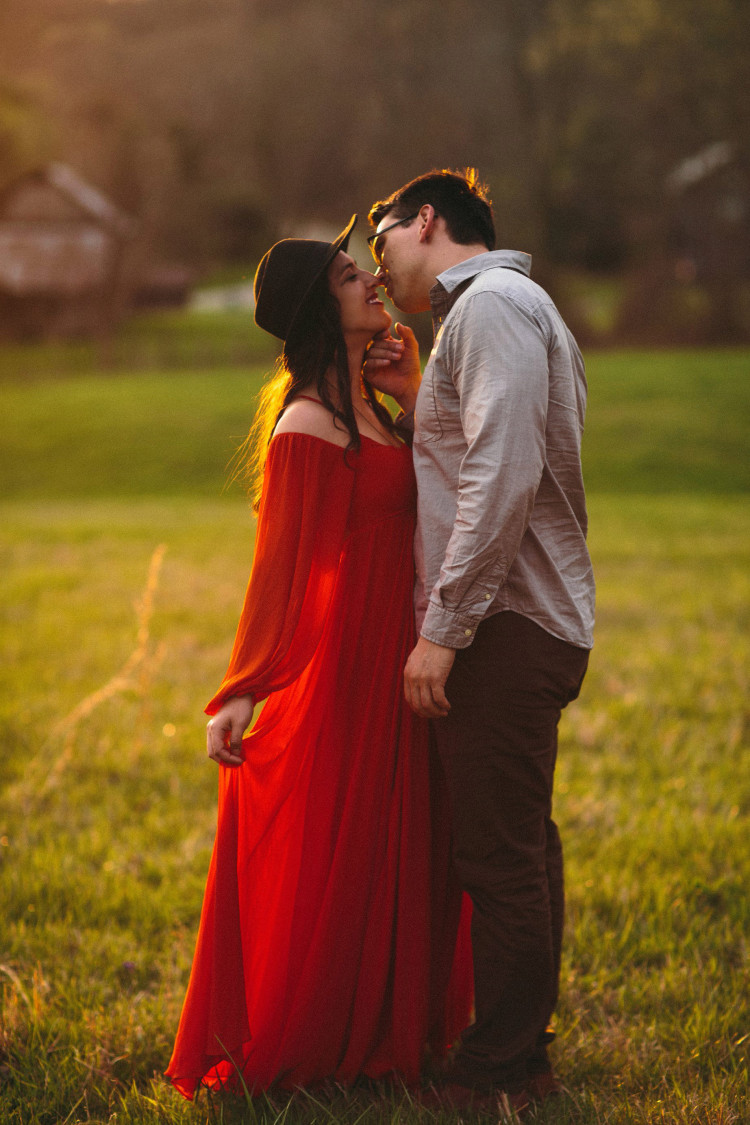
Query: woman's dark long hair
x=314 y=346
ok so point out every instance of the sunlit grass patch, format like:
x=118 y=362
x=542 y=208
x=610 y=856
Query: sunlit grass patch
x=103 y=860
x=107 y=802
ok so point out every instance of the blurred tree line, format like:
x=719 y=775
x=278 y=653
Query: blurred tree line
x=223 y=124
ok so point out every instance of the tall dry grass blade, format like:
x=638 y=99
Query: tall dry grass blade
x=124 y=680
x=15 y=980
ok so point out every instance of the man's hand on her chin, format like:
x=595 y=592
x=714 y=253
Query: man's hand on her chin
x=392 y=366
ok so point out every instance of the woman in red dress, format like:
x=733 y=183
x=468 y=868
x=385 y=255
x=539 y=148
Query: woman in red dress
x=329 y=943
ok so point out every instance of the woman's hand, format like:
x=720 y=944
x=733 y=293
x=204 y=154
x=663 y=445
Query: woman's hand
x=392 y=366
x=226 y=728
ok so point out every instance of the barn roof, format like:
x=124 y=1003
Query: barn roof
x=693 y=169
x=87 y=200
x=58 y=234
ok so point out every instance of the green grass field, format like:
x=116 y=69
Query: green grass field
x=123 y=568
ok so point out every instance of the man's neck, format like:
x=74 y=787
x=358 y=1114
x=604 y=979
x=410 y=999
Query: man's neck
x=449 y=254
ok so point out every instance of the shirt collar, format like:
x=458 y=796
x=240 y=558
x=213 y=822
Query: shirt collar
x=451 y=283
x=493 y=259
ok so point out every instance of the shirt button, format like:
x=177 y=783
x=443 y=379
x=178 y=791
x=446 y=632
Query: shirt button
x=467 y=632
x=487 y=597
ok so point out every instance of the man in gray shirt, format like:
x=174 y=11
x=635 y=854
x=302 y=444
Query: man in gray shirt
x=504 y=594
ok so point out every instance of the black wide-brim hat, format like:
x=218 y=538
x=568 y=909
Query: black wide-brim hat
x=286 y=275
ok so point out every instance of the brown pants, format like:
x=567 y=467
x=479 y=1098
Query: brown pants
x=498 y=747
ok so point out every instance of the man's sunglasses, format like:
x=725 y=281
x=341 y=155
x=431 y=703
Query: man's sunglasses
x=374 y=241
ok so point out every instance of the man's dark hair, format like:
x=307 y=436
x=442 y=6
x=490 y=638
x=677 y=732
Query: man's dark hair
x=458 y=197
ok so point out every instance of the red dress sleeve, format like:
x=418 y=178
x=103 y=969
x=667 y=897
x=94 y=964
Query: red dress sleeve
x=302 y=521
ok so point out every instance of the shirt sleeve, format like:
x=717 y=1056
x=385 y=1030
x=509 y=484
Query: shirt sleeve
x=302 y=524
x=497 y=355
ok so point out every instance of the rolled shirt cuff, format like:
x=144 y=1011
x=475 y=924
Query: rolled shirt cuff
x=452 y=630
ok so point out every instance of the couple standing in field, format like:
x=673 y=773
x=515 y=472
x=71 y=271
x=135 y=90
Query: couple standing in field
x=385 y=857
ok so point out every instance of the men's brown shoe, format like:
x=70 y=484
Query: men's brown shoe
x=544 y=1085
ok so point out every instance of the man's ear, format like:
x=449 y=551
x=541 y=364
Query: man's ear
x=426 y=220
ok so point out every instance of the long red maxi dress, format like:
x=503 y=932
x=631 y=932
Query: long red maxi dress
x=328 y=942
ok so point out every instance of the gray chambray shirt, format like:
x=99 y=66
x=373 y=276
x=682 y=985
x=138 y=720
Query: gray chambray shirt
x=497 y=453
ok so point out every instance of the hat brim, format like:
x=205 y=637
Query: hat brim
x=339 y=243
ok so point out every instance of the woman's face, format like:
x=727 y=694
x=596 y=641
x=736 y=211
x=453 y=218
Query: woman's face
x=356 y=290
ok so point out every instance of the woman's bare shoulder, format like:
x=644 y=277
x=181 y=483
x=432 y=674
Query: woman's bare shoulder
x=304 y=416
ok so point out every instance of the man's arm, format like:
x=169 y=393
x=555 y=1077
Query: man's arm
x=497 y=354
x=498 y=359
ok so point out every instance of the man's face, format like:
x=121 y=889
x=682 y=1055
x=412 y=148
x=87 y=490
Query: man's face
x=401 y=258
